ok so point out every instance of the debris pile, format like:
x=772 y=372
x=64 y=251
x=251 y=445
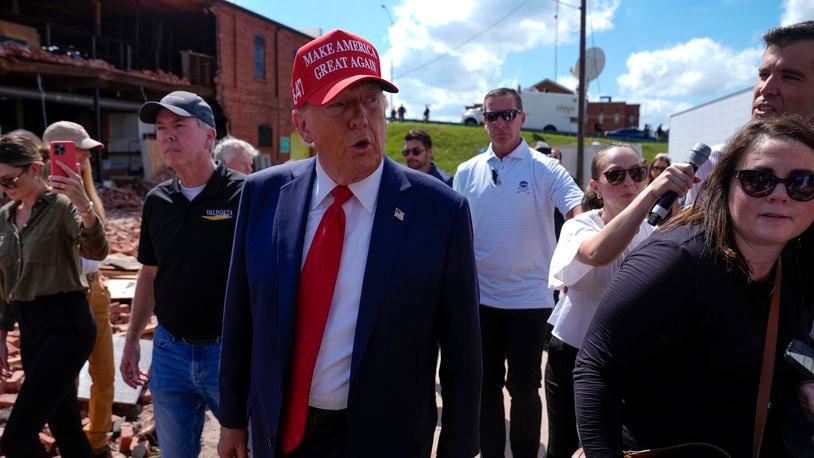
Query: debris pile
x=133 y=433
x=16 y=51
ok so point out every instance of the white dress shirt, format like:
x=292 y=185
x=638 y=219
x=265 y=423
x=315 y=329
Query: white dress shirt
x=329 y=387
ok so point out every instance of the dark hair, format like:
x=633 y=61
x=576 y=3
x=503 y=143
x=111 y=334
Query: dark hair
x=420 y=135
x=712 y=212
x=591 y=200
x=790 y=34
x=18 y=151
x=501 y=91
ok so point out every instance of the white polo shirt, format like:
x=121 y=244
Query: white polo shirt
x=513 y=222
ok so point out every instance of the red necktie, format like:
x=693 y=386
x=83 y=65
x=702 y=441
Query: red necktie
x=317 y=282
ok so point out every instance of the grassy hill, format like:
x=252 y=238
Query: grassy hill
x=454 y=143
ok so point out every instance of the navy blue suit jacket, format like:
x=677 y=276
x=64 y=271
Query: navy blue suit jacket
x=419 y=294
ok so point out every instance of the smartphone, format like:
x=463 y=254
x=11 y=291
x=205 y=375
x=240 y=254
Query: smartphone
x=801 y=356
x=64 y=152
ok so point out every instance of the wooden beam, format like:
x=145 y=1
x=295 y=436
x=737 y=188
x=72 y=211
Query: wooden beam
x=99 y=77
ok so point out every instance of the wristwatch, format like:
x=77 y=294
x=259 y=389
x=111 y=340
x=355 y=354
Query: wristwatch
x=89 y=210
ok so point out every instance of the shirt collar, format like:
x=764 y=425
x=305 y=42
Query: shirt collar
x=47 y=198
x=520 y=152
x=366 y=191
x=211 y=187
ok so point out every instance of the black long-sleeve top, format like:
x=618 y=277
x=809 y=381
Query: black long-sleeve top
x=675 y=349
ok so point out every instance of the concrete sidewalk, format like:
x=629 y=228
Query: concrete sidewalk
x=506 y=407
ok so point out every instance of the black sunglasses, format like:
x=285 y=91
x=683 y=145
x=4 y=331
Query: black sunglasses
x=11 y=182
x=758 y=183
x=506 y=115
x=415 y=151
x=617 y=176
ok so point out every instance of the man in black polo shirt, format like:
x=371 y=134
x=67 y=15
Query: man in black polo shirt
x=186 y=239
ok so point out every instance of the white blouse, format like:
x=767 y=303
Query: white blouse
x=586 y=284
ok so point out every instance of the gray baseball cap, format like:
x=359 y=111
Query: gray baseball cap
x=182 y=103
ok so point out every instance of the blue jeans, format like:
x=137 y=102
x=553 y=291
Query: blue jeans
x=183 y=383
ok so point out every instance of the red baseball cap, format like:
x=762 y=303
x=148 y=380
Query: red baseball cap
x=326 y=66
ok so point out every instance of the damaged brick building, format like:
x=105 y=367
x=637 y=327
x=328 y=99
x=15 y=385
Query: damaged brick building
x=96 y=61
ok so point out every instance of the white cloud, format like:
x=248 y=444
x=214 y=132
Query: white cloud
x=570 y=81
x=700 y=67
x=797 y=11
x=655 y=111
x=436 y=65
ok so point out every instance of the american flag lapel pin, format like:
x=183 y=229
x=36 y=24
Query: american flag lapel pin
x=399 y=215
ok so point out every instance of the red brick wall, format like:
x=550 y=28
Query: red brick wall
x=617 y=115
x=249 y=101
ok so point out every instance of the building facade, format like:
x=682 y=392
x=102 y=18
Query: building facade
x=96 y=62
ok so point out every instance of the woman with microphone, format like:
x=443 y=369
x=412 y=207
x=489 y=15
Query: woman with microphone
x=591 y=248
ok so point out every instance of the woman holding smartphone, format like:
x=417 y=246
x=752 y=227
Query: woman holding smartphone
x=677 y=351
x=101 y=366
x=590 y=250
x=44 y=232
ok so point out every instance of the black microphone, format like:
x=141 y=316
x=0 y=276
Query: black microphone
x=698 y=155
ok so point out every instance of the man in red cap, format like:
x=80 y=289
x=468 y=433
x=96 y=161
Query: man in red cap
x=349 y=273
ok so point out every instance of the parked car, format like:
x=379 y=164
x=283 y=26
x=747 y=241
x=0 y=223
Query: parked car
x=629 y=133
x=473 y=116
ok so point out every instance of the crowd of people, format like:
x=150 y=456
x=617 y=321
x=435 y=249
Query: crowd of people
x=311 y=305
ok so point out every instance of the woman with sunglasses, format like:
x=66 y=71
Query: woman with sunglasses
x=101 y=365
x=44 y=232
x=659 y=165
x=590 y=250
x=675 y=350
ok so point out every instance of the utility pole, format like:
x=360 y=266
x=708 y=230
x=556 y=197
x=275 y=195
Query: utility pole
x=582 y=91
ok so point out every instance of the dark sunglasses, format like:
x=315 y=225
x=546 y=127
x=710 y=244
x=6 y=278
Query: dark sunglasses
x=11 y=182
x=506 y=115
x=415 y=151
x=637 y=174
x=757 y=183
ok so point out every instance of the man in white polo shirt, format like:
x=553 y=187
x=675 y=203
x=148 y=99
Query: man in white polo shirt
x=513 y=190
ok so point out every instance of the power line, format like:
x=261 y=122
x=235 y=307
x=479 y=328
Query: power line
x=465 y=42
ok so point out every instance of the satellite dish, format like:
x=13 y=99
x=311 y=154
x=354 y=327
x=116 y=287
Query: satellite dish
x=594 y=64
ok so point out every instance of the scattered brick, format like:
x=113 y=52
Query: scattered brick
x=126 y=438
x=47 y=441
x=13 y=383
x=7 y=399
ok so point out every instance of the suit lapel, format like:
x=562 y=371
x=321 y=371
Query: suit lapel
x=292 y=214
x=390 y=223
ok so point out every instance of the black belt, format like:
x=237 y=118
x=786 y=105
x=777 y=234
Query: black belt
x=321 y=417
x=202 y=341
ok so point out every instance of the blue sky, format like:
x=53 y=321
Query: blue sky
x=666 y=55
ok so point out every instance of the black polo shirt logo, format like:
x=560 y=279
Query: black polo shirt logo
x=218 y=215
